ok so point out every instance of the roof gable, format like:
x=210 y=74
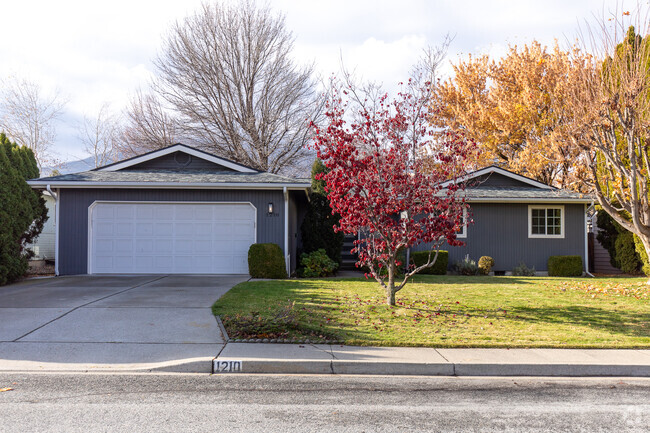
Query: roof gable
x=178 y=157
x=494 y=176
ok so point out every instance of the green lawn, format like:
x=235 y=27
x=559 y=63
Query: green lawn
x=446 y=311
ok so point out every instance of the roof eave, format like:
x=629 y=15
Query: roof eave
x=38 y=184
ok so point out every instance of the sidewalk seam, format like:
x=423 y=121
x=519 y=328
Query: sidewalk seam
x=87 y=303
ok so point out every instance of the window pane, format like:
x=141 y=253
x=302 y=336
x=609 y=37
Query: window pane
x=546 y=221
x=538 y=226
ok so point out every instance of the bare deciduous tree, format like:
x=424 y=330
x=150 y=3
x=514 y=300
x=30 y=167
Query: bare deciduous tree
x=227 y=71
x=27 y=116
x=100 y=135
x=149 y=126
x=607 y=112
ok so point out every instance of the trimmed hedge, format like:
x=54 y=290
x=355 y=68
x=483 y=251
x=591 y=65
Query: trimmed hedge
x=266 y=261
x=418 y=258
x=626 y=255
x=564 y=266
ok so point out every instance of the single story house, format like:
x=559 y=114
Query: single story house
x=520 y=220
x=173 y=210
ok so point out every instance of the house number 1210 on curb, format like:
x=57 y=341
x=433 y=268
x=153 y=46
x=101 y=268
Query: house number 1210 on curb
x=227 y=366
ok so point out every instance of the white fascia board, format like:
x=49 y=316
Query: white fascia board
x=169 y=185
x=500 y=171
x=528 y=200
x=176 y=148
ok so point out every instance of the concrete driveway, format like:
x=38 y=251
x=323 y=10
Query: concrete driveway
x=85 y=323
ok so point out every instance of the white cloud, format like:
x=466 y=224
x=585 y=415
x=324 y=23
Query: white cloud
x=102 y=51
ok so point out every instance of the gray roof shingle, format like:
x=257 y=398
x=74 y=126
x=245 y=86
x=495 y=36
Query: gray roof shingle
x=172 y=176
x=523 y=193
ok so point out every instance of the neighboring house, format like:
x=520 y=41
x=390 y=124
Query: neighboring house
x=520 y=220
x=173 y=210
x=44 y=245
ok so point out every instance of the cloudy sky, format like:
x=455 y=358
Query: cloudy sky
x=96 y=52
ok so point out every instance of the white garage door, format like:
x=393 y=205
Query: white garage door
x=171 y=238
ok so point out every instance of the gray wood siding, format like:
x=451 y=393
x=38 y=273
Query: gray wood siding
x=168 y=162
x=500 y=230
x=73 y=226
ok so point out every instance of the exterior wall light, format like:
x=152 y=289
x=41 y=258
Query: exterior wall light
x=270 y=208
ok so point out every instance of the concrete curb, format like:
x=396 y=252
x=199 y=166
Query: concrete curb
x=336 y=359
x=222 y=329
x=196 y=365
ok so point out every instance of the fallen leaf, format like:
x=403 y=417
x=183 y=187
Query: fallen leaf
x=6 y=389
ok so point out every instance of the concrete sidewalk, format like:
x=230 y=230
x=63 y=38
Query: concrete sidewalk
x=337 y=359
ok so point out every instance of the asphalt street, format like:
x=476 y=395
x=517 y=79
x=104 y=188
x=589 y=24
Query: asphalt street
x=261 y=403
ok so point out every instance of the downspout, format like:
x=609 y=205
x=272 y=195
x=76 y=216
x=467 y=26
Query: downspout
x=55 y=196
x=287 y=257
x=587 y=241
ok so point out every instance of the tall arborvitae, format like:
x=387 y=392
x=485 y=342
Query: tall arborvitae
x=22 y=210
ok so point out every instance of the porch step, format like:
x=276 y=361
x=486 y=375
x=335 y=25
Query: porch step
x=347 y=258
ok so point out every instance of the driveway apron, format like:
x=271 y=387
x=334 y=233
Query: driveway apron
x=138 y=323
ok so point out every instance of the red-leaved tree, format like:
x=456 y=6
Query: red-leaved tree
x=389 y=178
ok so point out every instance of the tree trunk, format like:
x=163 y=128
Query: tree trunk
x=390 y=289
x=646 y=244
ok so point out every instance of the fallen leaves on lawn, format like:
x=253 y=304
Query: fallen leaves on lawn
x=637 y=291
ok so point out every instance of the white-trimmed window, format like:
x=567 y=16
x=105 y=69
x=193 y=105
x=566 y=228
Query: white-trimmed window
x=462 y=232
x=546 y=221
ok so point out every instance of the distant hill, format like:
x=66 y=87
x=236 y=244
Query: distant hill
x=71 y=166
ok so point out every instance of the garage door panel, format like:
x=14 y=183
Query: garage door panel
x=171 y=238
x=144 y=212
x=223 y=248
x=164 y=246
x=144 y=246
x=203 y=247
x=124 y=229
x=203 y=213
x=223 y=263
x=240 y=260
x=163 y=229
x=163 y=263
x=220 y=230
x=143 y=229
x=143 y=262
x=203 y=229
x=105 y=228
x=184 y=212
x=242 y=229
x=104 y=246
x=123 y=262
x=183 y=229
x=104 y=212
x=163 y=212
x=123 y=245
x=183 y=246
x=222 y=213
x=123 y=212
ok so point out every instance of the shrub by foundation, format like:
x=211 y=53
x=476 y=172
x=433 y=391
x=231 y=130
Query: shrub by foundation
x=565 y=266
x=266 y=261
